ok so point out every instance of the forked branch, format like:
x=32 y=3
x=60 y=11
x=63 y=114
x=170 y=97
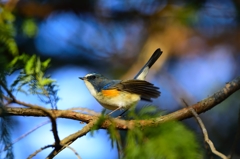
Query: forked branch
x=181 y=114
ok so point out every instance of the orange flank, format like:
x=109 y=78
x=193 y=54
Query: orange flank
x=110 y=92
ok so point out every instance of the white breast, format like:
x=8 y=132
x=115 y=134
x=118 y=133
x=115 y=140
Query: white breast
x=90 y=88
x=124 y=100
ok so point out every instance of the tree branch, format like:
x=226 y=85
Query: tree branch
x=205 y=133
x=74 y=151
x=71 y=138
x=39 y=150
x=47 y=112
x=181 y=114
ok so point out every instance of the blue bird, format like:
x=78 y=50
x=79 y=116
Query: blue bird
x=118 y=94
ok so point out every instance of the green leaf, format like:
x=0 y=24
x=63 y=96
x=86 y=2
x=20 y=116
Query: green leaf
x=46 y=81
x=12 y=46
x=29 y=69
x=24 y=58
x=29 y=27
x=38 y=65
x=45 y=63
x=6 y=15
x=7 y=31
x=13 y=62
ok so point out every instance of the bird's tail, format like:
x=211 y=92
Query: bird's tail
x=144 y=71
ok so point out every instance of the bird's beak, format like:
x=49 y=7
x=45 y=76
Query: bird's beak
x=82 y=78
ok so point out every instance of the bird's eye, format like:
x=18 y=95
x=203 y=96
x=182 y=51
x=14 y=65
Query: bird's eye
x=92 y=77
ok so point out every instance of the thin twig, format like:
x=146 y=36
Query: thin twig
x=24 y=135
x=205 y=133
x=45 y=92
x=39 y=150
x=90 y=112
x=71 y=138
x=13 y=99
x=48 y=113
x=75 y=152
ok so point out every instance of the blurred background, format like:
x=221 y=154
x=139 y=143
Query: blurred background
x=200 y=41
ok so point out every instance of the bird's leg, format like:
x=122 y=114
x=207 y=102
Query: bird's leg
x=114 y=110
x=123 y=112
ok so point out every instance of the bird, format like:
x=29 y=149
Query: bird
x=123 y=94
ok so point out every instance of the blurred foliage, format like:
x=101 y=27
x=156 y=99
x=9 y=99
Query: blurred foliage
x=145 y=112
x=7 y=31
x=30 y=72
x=29 y=27
x=170 y=140
x=8 y=44
x=31 y=68
x=33 y=76
x=6 y=125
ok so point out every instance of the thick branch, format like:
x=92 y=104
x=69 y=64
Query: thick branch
x=71 y=138
x=49 y=113
x=46 y=112
x=181 y=114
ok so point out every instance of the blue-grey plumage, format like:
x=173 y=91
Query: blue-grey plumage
x=101 y=88
x=116 y=94
x=99 y=81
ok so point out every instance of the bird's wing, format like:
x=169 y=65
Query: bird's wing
x=141 y=75
x=143 y=88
